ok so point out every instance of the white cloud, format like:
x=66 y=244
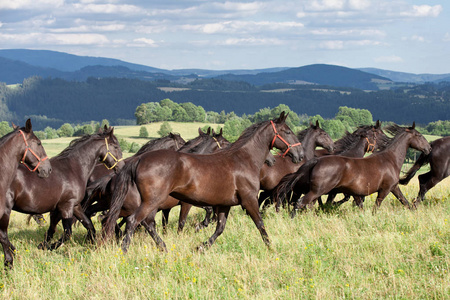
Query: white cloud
x=54 y=39
x=30 y=4
x=388 y=59
x=146 y=42
x=332 y=45
x=107 y=8
x=446 y=37
x=423 y=11
x=244 y=27
x=250 y=42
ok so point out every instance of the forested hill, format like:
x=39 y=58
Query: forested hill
x=117 y=98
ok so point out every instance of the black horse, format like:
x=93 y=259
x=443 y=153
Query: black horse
x=439 y=160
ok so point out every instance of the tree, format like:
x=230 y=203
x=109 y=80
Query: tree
x=50 y=133
x=143 y=133
x=164 y=129
x=66 y=130
x=103 y=123
x=355 y=116
x=234 y=127
x=4 y=128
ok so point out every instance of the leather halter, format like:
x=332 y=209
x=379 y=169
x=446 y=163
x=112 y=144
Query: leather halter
x=217 y=142
x=277 y=135
x=27 y=148
x=112 y=155
x=370 y=145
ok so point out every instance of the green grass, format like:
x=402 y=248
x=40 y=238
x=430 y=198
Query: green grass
x=345 y=253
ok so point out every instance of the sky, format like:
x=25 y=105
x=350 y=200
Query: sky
x=401 y=35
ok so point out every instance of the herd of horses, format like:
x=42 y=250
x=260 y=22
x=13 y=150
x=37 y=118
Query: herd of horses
x=90 y=176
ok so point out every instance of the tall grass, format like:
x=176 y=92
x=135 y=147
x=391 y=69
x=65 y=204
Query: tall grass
x=345 y=253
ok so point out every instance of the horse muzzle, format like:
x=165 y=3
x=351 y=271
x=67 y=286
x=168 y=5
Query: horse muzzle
x=45 y=169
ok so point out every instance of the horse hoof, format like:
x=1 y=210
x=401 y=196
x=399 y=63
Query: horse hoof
x=43 y=246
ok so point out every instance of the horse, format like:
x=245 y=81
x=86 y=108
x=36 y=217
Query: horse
x=61 y=193
x=204 y=143
x=19 y=146
x=270 y=176
x=439 y=160
x=378 y=172
x=222 y=179
x=364 y=139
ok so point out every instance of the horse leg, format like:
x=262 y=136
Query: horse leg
x=345 y=199
x=87 y=223
x=264 y=199
x=253 y=211
x=164 y=220
x=209 y=214
x=357 y=200
x=221 y=221
x=399 y=195
x=380 y=197
x=426 y=182
x=184 y=211
x=8 y=248
x=147 y=212
x=55 y=217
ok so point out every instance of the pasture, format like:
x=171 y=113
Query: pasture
x=342 y=253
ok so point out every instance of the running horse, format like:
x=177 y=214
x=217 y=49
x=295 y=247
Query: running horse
x=377 y=173
x=439 y=160
x=223 y=179
x=19 y=146
x=61 y=193
x=311 y=137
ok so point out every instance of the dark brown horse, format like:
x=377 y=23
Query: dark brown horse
x=439 y=160
x=366 y=138
x=104 y=188
x=311 y=137
x=222 y=179
x=377 y=173
x=22 y=146
x=61 y=193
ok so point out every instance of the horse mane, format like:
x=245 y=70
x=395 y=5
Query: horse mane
x=6 y=137
x=347 y=142
x=77 y=143
x=247 y=134
x=394 y=130
x=150 y=144
x=302 y=134
x=189 y=143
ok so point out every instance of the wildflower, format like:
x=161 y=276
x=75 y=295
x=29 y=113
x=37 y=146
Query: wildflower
x=194 y=280
x=277 y=258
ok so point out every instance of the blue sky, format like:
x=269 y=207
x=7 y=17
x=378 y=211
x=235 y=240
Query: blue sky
x=401 y=35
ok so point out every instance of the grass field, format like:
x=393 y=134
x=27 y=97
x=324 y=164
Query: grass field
x=341 y=254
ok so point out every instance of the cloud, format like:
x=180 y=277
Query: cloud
x=54 y=39
x=30 y=4
x=423 y=11
x=389 y=59
x=446 y=37
x=145 y=42
x=250 y=42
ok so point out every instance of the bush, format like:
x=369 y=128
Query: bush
x=165 y=129
x=143 y=133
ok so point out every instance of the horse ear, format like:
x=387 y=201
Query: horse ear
x=213 y=132
x=317 y=124
x=413 y=125
x=221 y=132
x=200 y=131
x=14 y=126
x=171 y=134
x=378 y=124
x=105 y=128
x=28 y=127
x=282 y=117
x=208 y=132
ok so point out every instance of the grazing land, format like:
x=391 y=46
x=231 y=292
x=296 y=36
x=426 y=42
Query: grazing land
x=342 y=253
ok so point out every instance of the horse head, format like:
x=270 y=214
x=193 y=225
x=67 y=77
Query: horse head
x=111 y=153
x=285 y=140
x=34 y=157
x=418 y=141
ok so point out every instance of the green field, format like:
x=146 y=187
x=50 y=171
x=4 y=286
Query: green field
x=344 y=253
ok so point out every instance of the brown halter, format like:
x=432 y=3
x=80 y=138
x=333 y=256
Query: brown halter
x=277 y=135
x=370 y=145
x=27 y=148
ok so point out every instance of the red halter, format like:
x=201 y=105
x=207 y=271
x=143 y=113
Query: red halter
x=27 y=148
x=277 y=135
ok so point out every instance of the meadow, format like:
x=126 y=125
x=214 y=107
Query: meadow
x=339 y=254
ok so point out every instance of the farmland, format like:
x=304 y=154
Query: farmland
x=342 y=253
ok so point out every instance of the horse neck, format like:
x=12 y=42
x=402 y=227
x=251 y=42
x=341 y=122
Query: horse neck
x=85 y=157
x=309 y=146
x=256 y=148
x=11 y=152
x=397 y=150
x=358 y=150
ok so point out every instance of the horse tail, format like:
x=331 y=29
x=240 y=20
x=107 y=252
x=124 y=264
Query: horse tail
x=95 y=189
x=422 y=160
x=289 y=181
x=123 y=179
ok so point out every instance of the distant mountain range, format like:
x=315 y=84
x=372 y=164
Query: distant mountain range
x=18 y=64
